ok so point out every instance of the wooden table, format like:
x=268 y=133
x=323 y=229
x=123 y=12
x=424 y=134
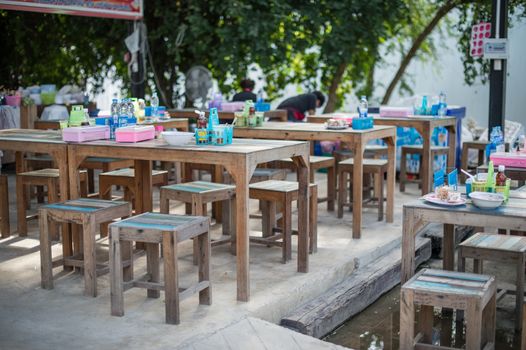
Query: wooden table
x=176 y=123
x=240 y=160
x=419 y=213
x=356 y=139
x=425 y=127
x=38 y=141
x=277 y=114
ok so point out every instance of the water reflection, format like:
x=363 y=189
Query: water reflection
x=377 y=327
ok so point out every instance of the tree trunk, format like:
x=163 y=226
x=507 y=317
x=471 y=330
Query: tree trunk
x=335 y=83
x=441 y=13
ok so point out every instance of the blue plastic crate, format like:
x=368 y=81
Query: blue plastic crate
x=362 y=123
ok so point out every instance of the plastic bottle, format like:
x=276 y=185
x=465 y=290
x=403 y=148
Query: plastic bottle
x=154 y=102
x=362 y=109
x=500 y=179
x=442 y=106
x=423 y=107
x=114 y=120
x=522 y=141
x=123 y=114
x=132 y=120
x=500 y=140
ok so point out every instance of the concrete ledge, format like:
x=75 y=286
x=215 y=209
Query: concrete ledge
x=320 y=316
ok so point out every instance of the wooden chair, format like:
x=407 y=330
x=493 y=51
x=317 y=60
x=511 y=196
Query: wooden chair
x=5 y=228
x=103 y=164
x=43 y=177
x=156 y=230
x=317 y=163
x=198 y=194
x=375 y=167
x=126 y=179
x=417 y=149
x=499 y=248
x=476 y=294
x=274 y=193
x=85 y=212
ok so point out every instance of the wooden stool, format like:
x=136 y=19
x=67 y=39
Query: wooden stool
x=126 y=179
x=155 y=229
x=476 y=294
x=273 y=192
x=5 y=228
x=37 y=162
x=317 y=163
x=261 y=174
x=85 y=212
x=103 y=164
x=198 y=194
x=417 y=149
x=376 y=167
x=42 y=177
x=500 y=248
x=480 y=146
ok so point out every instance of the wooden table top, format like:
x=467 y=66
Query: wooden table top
x=31 y=135
x=422 y=119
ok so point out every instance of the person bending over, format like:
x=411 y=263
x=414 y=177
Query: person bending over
x=297 y=106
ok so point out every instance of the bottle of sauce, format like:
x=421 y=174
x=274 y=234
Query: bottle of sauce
x=501 y=178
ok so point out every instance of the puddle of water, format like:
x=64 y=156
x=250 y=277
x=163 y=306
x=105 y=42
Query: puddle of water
x=377 y=327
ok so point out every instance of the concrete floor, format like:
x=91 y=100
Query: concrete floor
x=33 y=318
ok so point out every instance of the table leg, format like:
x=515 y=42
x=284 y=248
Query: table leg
x=90 y=259
x=143 y=178
x=391 y=177
x=357 y=190
x=408 y=245
x=302 y=168
x=452 y=142
x=448 y=247
x=427 y=162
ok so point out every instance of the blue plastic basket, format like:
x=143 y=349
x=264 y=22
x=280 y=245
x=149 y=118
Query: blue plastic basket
x=362 y=123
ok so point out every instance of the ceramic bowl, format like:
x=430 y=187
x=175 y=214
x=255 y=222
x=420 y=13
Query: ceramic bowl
x=486 y=200
x=176 y=138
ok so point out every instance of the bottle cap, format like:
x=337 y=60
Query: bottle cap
x=502 y=168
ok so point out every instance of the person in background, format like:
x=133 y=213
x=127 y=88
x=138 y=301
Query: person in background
x=247 y=85
x=297 y=106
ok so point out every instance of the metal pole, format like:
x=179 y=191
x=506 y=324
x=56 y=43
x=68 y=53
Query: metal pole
x=497 y=75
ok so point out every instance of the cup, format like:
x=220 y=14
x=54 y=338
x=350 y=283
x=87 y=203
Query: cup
x=63 y=124
x=468 y=186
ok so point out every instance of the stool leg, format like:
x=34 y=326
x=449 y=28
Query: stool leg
x=104 y=193
x=380 y=196
x=225 y=220
x=473 y=326
x=205 y=296
x=46 y=268
x=21 y=207
x=342 y=192
x=477 y=265
x=403 y=171
x=233 y=235
x=407 y=320
x=519 y=295
x=425 y=324
x=489 y=321
x=331 y=188
x=91 y=181
x=152 y=266
x=90 y=267
x=287 y=230
x=116 y=278
x=171 y=278
x=198 y=209
x=461 y=267
x=313 y=220
x=268 y=217
x=52 y=197
x=164 y=202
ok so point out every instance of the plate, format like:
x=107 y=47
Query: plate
x=432 y=198
x=334 y=127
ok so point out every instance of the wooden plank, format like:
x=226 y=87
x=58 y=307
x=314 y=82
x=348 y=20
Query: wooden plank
x=5 y=228
x=116 y=274
x=171 y=278
x=90 y=259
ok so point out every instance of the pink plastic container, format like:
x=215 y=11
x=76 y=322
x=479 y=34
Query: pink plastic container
x=513 y=160
x=86 y=133
x=135 y=133
x=232 y=106
x=395 y=112
x=13 y=100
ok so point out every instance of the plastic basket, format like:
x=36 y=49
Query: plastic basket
x=201 y=137
x=362 y=123
x=222 y=135
x=48 y=98
x=481 y=186
x=505 y=190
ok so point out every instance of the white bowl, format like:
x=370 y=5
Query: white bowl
x=486 y=200
x=176 y=138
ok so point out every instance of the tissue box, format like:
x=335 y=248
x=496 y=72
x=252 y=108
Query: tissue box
x=85 y=133
x=134 y=133
x=400 y=112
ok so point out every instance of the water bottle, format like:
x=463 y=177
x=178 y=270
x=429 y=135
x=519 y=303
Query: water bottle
x=362 y=109
x=132 y=120
x=114 y=120
x=123 y=114
x=423 y=107
x=442 y=106
x=500 y=140
x=154 y=102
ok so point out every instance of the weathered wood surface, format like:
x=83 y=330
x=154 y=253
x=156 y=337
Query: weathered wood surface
x=5 y=228
x=356 y=139
x=240 y=160
x=320 y=316
x=277 y=114
x=417 y=214
x=425 y=127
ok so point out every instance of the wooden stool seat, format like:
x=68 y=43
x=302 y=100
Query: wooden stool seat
x=49 y=178
x=264 y=174
x=375 y=167
x=274 y=192
x=500 y=248
x=154 y=229
x=197 y=194
x=475 y=294
x=103 y=164
x=85 y=212
x=5 y=228
x=417 y=149
x=317 y=163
